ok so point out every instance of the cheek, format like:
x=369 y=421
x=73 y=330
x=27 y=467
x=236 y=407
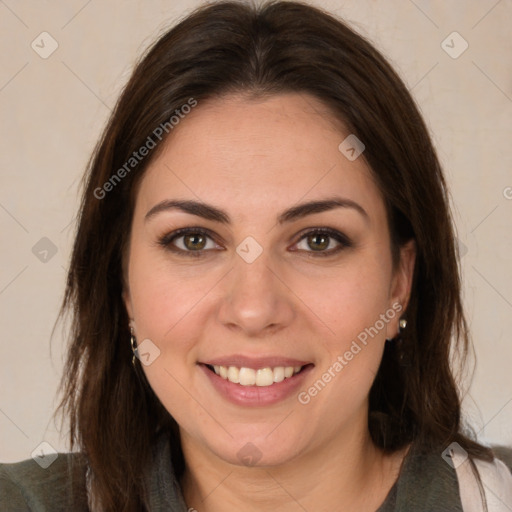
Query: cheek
x=169 y=306
x=162 y=296
x=353 y=303
x=348 y=299
x=166 y=307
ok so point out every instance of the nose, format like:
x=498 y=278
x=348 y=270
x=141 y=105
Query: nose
x=255 y=299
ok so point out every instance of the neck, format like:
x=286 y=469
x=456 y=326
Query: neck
x=347 y=473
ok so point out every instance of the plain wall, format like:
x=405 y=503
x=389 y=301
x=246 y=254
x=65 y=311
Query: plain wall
x=53 y=109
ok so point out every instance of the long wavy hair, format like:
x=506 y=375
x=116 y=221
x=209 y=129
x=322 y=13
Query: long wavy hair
x=279 y=47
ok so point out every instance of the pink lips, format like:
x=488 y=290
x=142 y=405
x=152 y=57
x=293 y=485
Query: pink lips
x=254 y=362
x=251 y=396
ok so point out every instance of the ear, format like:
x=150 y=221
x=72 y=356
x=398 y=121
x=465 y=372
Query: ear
x=126 y=296
x=401 y=284
x=128 y=302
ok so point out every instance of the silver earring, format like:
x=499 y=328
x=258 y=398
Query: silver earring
x=402 y=324
x=403 y=357
x=133 y=343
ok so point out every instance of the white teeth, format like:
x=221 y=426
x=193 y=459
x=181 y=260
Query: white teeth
x=247 y=377
x=288 y=371
x=234 y=374
x=250 y=377
x=264 y=377
x=279 y=374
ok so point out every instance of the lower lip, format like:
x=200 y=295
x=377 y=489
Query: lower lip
x=256 y=395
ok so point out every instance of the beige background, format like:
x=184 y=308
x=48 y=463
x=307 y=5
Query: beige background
x=52 y=111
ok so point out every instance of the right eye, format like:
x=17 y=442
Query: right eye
x=189 y=242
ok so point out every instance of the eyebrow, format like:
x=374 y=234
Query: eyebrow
x=210 y=212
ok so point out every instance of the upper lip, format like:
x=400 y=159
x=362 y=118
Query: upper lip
x=255 y=363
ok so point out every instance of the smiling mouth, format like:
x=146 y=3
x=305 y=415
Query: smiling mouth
x=262 y=377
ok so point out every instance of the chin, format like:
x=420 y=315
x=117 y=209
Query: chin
x=256 y=451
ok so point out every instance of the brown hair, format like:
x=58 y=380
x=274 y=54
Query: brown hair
x=280 y=47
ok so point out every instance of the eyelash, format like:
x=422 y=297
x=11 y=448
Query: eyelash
x=167 y=241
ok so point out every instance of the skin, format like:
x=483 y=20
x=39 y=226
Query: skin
x=254 y=159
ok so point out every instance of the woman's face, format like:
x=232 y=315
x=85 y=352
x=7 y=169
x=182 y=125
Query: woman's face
x=282 y=264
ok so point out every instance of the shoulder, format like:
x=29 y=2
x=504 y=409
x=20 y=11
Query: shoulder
x=28 y=486
x=426 y=482
x=504 y=453
x=496 y=477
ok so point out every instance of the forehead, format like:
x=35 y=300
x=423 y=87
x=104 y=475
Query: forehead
x=236 y=153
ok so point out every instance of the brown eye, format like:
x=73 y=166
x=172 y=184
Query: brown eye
x=189 y=242
x=318 y=242
x=195 y=241
x=323 y=242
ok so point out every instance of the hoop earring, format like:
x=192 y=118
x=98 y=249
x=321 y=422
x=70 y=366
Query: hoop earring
x=403 y=357
x=133 y=343
x=402 y=324
x=397 y=344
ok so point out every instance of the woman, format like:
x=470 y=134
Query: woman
x=264 y=286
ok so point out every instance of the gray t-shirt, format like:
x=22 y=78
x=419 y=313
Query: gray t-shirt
x=426 y=484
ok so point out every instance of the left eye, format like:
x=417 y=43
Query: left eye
x=191 y=241
x=325 y=242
